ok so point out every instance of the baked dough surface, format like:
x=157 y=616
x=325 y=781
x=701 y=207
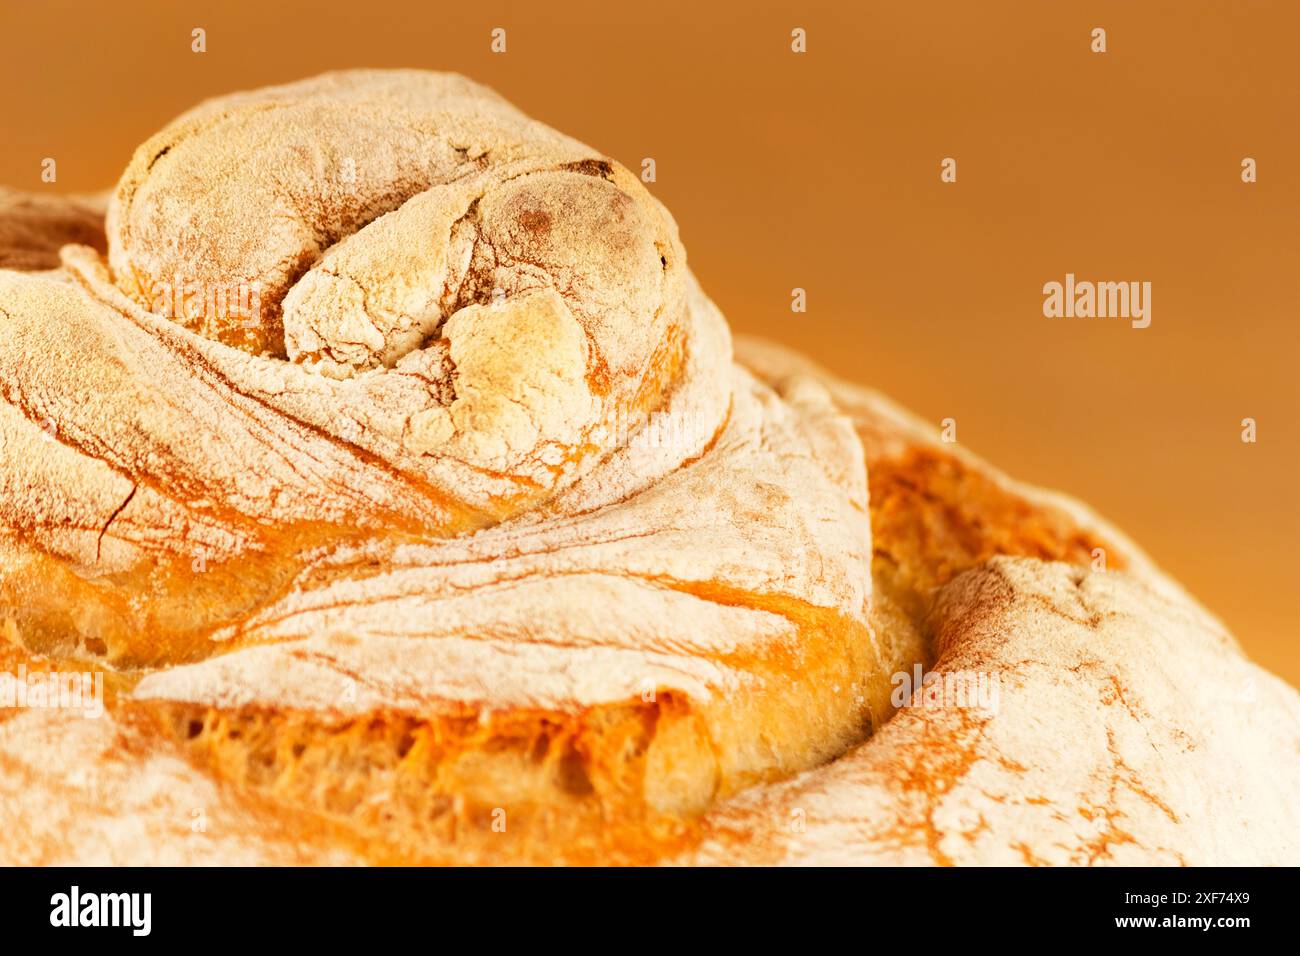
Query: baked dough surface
x=476 y=540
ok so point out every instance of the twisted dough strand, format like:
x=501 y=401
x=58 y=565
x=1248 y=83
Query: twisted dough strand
x=416 y=222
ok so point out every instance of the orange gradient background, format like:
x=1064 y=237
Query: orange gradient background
x=822 y=171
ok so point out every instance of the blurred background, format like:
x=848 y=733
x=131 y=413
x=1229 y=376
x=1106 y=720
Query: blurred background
x=821 y=171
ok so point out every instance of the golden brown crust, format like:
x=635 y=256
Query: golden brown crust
x=1128 y=732
x=1129 y=727
x=417 y=576
x=527 y=559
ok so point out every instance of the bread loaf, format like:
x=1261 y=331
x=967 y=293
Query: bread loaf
x=389 y=464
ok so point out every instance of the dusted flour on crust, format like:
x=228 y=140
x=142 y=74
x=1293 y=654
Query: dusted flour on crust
x=472 y=542
x=473 y=515
x=1127 y=732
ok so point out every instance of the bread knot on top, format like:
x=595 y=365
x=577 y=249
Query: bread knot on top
x=372 y=221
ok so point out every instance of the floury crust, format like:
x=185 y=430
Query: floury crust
x=385 y=574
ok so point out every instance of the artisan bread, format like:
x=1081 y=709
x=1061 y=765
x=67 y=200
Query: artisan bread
x=392 y=468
